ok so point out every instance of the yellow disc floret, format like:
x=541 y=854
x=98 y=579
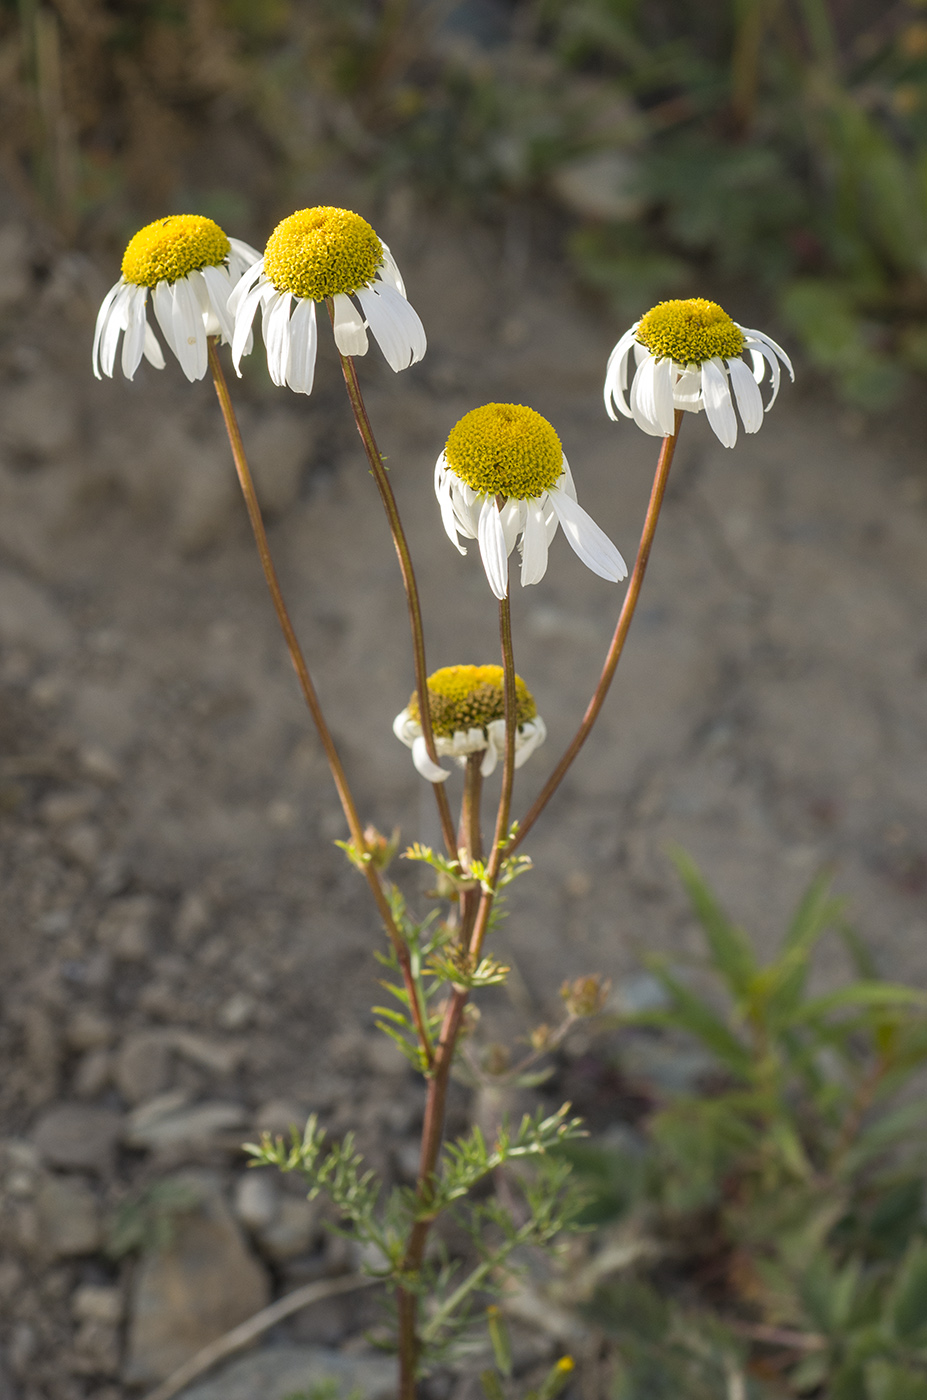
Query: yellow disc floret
x=173 y=247
x=470 y=697
x=505 y=449
x=320 y=252
x=690 y=332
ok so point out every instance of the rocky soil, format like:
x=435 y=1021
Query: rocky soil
x=185 y=956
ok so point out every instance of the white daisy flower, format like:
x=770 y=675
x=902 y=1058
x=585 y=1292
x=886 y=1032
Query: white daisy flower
x=190 y=267
x=467 y=705
x=502 y=479
x=688 y=355
x=325 y=254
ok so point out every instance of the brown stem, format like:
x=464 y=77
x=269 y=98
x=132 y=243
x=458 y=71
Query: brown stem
x=470 y=842
x=381 y=477
x=613 y=656
x=312 y=700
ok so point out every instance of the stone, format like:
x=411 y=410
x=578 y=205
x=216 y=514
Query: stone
x=600 y=185
x=96 y=1349
x=126 y=927
x=89 y=1030
x=143 y=1066
x=93 y=1073
x=276 y=1372
x=83 y=842
x=43 y=1054
x=94 y=1302
x=172 y=1126
x=278 y=1117
x=68 y=1217
x=294 y=1230
x=78 y=1136
x=257 y=1200
x=64 y=807
x=199 y=1286
x=217 y=1056
x=238 y=1012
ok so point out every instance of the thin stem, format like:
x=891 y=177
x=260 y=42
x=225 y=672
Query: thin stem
x=312 y=700
x=381 y=477
x=470 y=842
x=613 y=656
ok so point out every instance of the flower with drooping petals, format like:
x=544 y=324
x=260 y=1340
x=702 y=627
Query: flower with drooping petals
x=467 y=706
x=503 y=479
x=331 y=255
x=190 y=267
x=689 y=355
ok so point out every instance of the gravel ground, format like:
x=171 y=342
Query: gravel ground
x=185 y=955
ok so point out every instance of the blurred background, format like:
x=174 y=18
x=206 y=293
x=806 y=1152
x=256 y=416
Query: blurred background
x=780 y=142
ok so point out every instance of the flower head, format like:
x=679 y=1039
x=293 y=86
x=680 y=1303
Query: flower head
x=502 y=479
x=688 y=355
x=467 y=707
x=189 y=266
x=325 y=254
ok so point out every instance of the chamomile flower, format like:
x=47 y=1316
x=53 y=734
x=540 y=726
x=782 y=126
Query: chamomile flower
x=502 y=479
x=467 y=705
x=189 y=266
x=688 y=355
x=325 y=254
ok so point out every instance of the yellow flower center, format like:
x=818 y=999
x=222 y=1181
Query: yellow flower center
x=505 y=449
x=690 y=332
x=172 y=248
x=471 y=697
x=320 y=252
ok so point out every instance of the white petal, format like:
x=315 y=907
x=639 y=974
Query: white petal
x=389 y=272
x=396 y=326
x=116 y=323
x=664 y=378
x=768 y=341
x=219 y=289
x=534 y=545
x=152 y=351
x=133 y=345
x=566 y=484
x=716 y=392
x=616 y=377
x=492 y=548
x=276 y=325
x=189 y=330
x=495 y=747
x=163 y=300
x=687 y=391
x=300 y=364
x=244 y=317
x=241 y=257
x=512 y=520
x=432 y=771
x=244 y=285
x=102 y=318
x=348 y=325
x=747 y=393
x=530 y=737
x=757 y=347
x=445 y=502
x=405 y=728
x=642 y=398
x=591 y=544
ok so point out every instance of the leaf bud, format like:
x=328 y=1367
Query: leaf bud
x=586 y=996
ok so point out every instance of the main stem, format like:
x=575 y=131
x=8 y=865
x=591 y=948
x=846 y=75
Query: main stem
x=345 y=795
x=381 y=477
x=433 y=1126
x=613 y=656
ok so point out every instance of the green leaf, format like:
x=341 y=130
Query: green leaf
x=908 y=1303
x=690 y=1013
x=731 y=951
x=863 y=994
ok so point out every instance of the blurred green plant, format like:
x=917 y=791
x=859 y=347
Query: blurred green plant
x=782 y=1202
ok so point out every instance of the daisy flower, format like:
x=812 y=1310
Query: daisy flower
x=325 y=254
x=467 y=705
x=190 y=267
x=502 y=479
x=688 y=355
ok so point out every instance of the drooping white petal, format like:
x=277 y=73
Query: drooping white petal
x=300 y=364
x=446 y=504
x=757 y=347
x=719 y=409
x=492 y=548
x=163 y=299
x=244 y=317
x=102 y=319
x=616 y=377
x=642 y=398
x=687 y=391
x=116 y=322
x=395 y=324
x=189 y=330
x=390 y=272
x=534 y=544
x=244 y=285
x=348 y=326
x=771 y=344
x=219 y=289
x=241 y=257
x=747 y=393
x=512 y=520
x=529 y=737
x=664 y=379
x=133 y=344
x=432 y=771
x=495 y=747
x=275 y=326
x=591 y=544
x=152 y=350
